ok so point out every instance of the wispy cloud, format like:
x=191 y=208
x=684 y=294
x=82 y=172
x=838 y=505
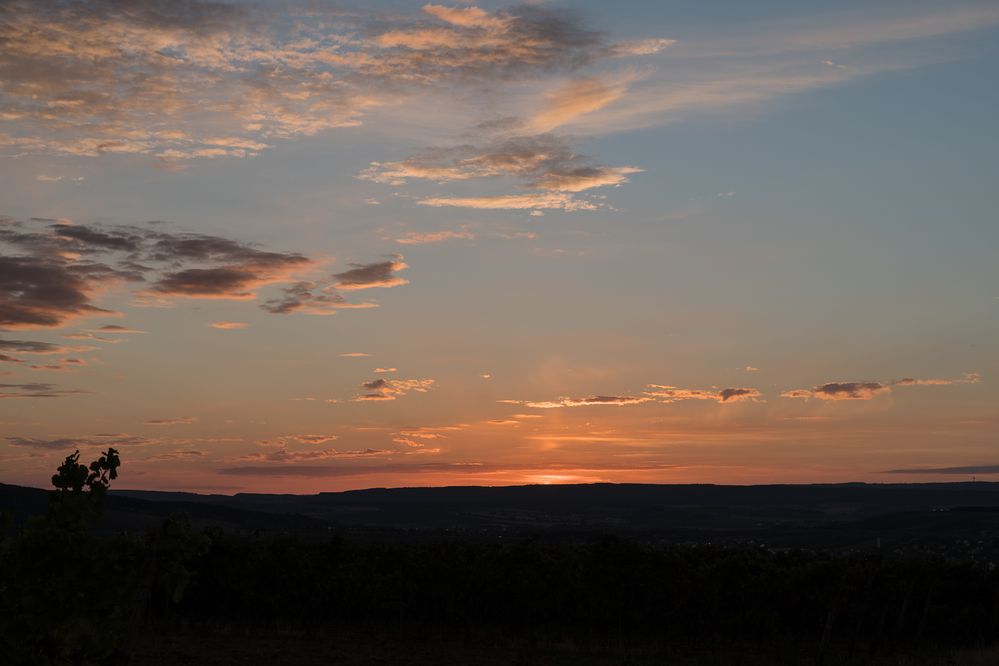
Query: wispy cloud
x=101 y=440
x=91 y=78
x=285 y=455
x=177 y=420
x=35 y=390
x=965 y=470
x=418 y=238
x=544 y=161
x=564 y=202
x=867 y=390
x=588 y=401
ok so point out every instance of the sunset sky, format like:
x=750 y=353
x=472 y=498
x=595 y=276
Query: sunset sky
x=306 y=246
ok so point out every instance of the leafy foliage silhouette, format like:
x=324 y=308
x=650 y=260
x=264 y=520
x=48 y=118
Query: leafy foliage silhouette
x=71 y=596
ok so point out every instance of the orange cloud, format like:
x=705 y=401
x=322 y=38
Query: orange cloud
x=513 y=202
x=416 y=238
x=575 y=99
x=178 y=420
x=390 y=389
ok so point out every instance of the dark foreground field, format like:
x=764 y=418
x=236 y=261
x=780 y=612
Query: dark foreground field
x=290 y=649
x=583 y=575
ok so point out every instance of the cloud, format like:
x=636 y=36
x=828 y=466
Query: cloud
x=239 y=270
x=178 y=420
x=668 y=394
x=79 y=442
x=35 y=390
x=229 y=325
x=468 y=17
x=961 y=470
x=285 y=440
x=431 y=432
x=386 y=369
x=343 y=470
x=416 y=238
x=91 y=336
x=355 y=354
x=56 y=278
x=967 y=378
x=866 y=390
x=115 y=328
x=312 y=298
x=738 y=394
x=641 y=47
x=389 y=389
x=563 y=202
x=37 y=292
x=366 y=276
x=841 y=391
x=589 y=401
x=35 y=347
x=542 y=161
x=66 y=364
x=161 y=78
x=576 y=98
x=284 y=455
x=181 y=454
x=517 y=43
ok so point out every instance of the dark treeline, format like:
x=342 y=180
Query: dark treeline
x=68 y=595
x=604 y=590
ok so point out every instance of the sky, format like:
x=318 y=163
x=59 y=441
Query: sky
x=305 y=246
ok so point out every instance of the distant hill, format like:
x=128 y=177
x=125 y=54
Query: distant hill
x=828 y=516
x=125 y=512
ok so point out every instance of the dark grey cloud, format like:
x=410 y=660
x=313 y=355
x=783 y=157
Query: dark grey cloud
x=187 y=247
x=962 y=470
x=49 y=274
x=44 y=293
x=93 y=239
x=864 y=390
x=116 y=328
x=312 y=298
x=366 y=276
x=79 y=442
x=737 y=394
x=34 y=390
x=225 y=281
x=183 y=454
x=34 y=347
